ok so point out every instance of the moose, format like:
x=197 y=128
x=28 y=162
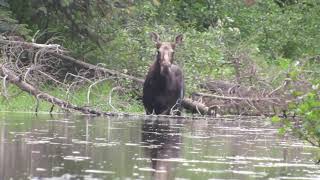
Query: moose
x=163 y=88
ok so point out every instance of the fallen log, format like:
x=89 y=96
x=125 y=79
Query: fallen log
x=236 y=98
x=197 y=107
x=97 y=68
x=13 y=78
x=232 y=98
x=30 y=44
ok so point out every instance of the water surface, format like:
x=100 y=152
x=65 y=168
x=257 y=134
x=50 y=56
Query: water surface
x=82 y=147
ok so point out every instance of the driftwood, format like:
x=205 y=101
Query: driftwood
x=231 y=98
x=197 y=107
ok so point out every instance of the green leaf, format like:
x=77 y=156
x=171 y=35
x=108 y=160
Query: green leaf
x=284 y=63
x=275 y=119
x=282 y=131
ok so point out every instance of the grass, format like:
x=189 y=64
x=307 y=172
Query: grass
x=99 y=98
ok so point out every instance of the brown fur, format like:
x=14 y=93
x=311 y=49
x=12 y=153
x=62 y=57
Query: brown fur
x=163 y=88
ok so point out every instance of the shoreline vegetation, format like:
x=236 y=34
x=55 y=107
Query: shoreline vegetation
x=244 y=58
x=233 y=96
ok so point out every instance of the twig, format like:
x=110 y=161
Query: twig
x=280 y=87
x=37 y=105
x=110 y=97
x=51 y=109
x=93 y=84
x=50 y=77
x=81 y=77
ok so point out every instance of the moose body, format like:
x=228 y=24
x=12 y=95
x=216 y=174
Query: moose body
x=163 y=88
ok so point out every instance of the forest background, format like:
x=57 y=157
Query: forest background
x=256 y=43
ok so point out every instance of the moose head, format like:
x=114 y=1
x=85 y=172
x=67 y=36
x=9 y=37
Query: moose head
x=165 y=51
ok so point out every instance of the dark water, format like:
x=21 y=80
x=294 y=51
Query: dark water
x=80 y=147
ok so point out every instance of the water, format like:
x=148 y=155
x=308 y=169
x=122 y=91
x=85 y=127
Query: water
x=81 y=147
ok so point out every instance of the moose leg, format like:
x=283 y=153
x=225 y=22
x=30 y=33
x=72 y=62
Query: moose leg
x=149 y=109
x=162 y=109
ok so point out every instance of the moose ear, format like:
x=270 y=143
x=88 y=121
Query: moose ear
x=179 y=39
x=155 y=37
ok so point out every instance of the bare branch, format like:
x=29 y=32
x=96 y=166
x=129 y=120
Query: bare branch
x=56 y=47
x=236 y=98
x=110 y=97
x=93 y=84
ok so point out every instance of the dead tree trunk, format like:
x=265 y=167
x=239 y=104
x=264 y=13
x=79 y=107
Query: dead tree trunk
x=13 y=78
x=97 y=68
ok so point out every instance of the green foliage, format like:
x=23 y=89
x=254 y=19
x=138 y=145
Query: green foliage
x=9 y=25
x=116 y=32
x=309 y=109
x=274 y=37
x=305 y=105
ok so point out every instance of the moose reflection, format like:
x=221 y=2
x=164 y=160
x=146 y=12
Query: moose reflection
x=163 y=88
x=163 y=143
